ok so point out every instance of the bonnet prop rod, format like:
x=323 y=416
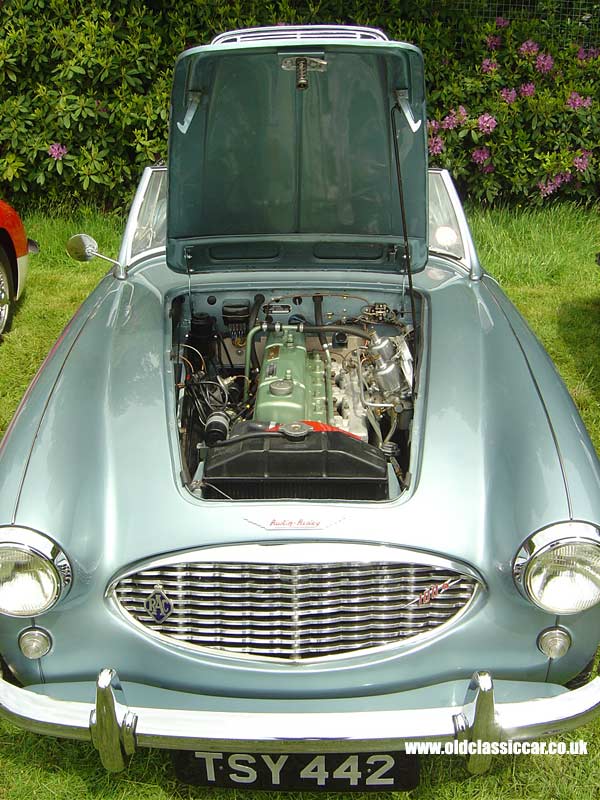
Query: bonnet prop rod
x=396 y=109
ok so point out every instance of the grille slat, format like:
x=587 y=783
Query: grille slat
x=247 y=599
x=258 y=615
x=295 y=611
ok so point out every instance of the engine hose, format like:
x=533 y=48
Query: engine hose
x=349 y=330
x=376 y=427
x=249 y=349
x=328 y=390
x=259 y=299
x=318 y=304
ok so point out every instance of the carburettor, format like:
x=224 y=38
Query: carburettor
x=393 y=365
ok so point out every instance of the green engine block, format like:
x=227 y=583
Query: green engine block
x=292 y=381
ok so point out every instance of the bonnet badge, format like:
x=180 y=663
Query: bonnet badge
x=158 y=605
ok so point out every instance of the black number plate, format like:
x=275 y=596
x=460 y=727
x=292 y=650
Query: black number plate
x=342 y=772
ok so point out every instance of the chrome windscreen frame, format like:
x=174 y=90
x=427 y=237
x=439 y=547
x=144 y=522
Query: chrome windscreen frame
x=126 y=256
x=470 y=259
x=299 y=552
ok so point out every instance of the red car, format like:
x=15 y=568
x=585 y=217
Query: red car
x=14 y=255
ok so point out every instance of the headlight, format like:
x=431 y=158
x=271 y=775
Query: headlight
x=558 y=568
x=34 y=573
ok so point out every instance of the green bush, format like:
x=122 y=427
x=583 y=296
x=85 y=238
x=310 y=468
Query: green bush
x=84 y=93
x=514 y=116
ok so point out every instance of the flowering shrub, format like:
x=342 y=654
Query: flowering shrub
x=531 y=130
x=84 y=93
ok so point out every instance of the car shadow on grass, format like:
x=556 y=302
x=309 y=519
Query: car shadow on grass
x=579 y=330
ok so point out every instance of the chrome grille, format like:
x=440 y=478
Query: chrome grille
x=295 y=611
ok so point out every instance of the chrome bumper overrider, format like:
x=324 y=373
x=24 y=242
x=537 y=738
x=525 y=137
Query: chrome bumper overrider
x=117 y=730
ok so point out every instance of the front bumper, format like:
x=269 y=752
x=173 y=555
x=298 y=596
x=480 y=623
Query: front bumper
x=117 y=730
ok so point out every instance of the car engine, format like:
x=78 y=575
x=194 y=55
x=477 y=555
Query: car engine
x=272 y=405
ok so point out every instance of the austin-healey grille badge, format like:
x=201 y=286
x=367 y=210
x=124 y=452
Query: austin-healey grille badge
x=158 y=605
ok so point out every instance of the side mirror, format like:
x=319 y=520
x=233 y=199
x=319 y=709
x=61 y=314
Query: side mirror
x=82 y=247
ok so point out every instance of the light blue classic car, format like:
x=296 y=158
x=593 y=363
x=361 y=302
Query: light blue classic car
x=297 y=486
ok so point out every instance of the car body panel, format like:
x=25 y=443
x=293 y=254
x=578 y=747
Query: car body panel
x=20 y=435
x=577 y=453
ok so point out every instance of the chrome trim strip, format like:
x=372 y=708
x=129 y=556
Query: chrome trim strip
x=119 y=729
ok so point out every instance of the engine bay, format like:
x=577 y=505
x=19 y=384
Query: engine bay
x=295 y=395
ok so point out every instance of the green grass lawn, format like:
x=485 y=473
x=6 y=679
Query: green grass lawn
x=545 y=261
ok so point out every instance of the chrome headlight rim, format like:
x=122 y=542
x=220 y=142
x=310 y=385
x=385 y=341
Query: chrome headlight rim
x=42 y=546
x=558 y=534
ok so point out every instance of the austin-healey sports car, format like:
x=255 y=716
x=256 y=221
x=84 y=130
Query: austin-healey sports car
x=298 y=487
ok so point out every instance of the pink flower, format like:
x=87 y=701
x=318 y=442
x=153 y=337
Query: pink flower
x=575 y=101
x=529 y=48
x=551 y=185
x=480 y=155
x=588 y=55
x=454 y=118
x=450 y=121
x=486 y=123
x=435 y=145
x=544 y=62
x=547 y=187
x=508 y=95
x=493 y=42
x=527 y=90
x=502 y=23
x=487 y=168
x=488 y=65
x=582 y=162
x=57 y=151
x=433 y=125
